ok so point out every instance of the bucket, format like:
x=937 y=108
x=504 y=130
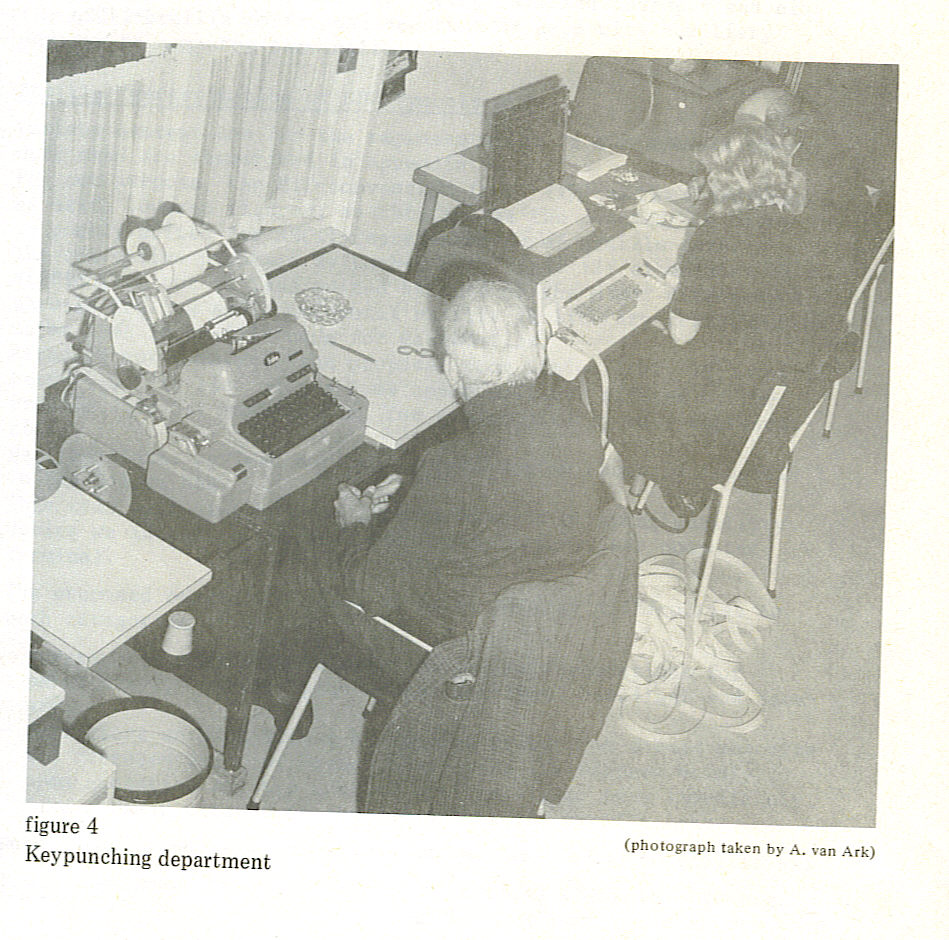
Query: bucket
x=162 y=756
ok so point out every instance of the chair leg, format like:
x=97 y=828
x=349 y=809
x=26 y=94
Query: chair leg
x=305 y=696
x=723 y=499
x=643 y=497
x=867 y=323
x=831 y=407
x=776 y=530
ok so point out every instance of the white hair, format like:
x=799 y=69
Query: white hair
x=491 y=335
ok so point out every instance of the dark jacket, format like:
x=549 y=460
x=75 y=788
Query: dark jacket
x=544 y=663
x=512 y=498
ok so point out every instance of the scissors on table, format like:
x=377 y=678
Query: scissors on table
x=423 y=352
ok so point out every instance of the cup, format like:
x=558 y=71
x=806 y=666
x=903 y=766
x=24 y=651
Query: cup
x=179 y=637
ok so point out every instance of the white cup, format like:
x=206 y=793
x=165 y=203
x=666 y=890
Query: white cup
x=179 y=637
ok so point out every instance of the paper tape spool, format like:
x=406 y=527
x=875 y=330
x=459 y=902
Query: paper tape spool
x=170 y=243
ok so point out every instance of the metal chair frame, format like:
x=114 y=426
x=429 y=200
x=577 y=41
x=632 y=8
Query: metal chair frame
x=870 y=280
x=725 y=489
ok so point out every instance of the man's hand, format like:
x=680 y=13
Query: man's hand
x=351 y=506
x=380 y=493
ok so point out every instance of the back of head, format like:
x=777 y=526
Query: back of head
x=490 y=334
x=779 y=108
x=749 y=165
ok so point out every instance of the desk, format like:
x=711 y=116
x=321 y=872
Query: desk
x=98 y=579
x=406 y=393
x=453 y=177
x=463 y=177
x=260 y=619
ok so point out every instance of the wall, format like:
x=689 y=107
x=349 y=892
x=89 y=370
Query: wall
x=862 y=98
x=440 y=113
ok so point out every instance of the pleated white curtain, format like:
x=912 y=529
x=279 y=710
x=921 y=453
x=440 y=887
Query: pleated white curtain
x=240 y=137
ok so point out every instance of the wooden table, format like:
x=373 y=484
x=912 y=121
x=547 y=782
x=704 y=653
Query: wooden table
x=99 y=579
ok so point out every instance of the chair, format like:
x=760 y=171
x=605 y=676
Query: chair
x=871 y=279
x=397 y=633
x=495 y=721
x=779 y=432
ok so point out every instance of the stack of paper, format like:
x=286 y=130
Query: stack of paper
x=548 y=221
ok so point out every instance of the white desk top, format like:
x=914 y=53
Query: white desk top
x=98 y=579
x=44 y=695
x=406 y=393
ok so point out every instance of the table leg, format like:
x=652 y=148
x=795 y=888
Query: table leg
x=238 y=715
x=427 y=215
x=235 y=734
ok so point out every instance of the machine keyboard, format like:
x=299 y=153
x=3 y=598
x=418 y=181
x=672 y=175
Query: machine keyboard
x=292 y=420
x=614 y=300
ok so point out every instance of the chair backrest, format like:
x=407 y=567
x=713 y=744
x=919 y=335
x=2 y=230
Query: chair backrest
x=770 y=444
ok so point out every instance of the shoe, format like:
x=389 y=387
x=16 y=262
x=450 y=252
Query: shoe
x=686 y=505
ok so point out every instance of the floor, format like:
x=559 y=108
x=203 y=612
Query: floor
x=813 y=759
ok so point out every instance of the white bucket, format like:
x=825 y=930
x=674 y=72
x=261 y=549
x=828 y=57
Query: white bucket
x=162 y=756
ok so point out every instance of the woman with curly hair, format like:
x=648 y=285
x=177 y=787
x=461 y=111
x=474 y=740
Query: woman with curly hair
x=756 y=293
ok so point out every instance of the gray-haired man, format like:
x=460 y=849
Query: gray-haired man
x=512 y=498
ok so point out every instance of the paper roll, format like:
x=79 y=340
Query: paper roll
x=203 y=309
x=176 y=238
x=144 y=249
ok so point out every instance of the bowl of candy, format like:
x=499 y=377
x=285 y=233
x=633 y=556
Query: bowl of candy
x=322 y=306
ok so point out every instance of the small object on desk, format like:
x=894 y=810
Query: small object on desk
x=179 y=637
x=625 y=175
x=423 y=352
x=664 y=208
x=588 y=161
x=355 y=352
x=322 y=306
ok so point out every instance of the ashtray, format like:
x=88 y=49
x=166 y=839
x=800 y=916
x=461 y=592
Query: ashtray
x=322 y=306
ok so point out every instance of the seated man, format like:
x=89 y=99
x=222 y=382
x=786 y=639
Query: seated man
x=512 y=498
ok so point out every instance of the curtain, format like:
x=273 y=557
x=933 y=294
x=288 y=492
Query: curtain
x=239 y=137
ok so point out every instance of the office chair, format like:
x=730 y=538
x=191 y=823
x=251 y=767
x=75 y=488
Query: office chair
x=871 y=279
x=767 y=470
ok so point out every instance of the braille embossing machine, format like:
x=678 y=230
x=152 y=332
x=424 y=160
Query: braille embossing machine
x=186 y=370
